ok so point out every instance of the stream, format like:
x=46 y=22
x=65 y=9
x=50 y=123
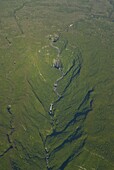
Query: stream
x=55 y=85
x=75 y=70
x=51 y=113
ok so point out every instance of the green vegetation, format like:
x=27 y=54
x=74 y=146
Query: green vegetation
x=56 y=118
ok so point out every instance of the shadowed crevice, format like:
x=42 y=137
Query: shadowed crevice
x=74 y=154
x=36 y=95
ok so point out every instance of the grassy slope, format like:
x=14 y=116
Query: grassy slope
x=80 y=136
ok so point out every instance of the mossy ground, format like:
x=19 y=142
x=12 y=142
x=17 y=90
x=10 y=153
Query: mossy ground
x=81 y=132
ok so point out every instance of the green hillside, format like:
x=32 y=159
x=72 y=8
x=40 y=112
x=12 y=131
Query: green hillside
x=56 y=85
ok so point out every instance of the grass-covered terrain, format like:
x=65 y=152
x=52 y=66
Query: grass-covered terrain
x=61 y=117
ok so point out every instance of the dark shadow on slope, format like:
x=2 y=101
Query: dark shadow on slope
x=74 y=136
x=75 y=69
x=72 y=156
x=79 y=114
x=84 y=108
x=86 y=98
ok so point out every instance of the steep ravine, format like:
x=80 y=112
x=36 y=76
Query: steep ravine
x=72 y=131
x=79 y=116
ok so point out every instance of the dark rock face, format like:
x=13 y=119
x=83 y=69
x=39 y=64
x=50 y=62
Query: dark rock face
x=57 y=63
x=54 y=38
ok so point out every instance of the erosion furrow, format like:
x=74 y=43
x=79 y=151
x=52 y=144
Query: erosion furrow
x=74 y=136
x=36 y=95
x=16 y=18
x=7 y=150
x=9 y=135
x=78 y=116
x=75 y=153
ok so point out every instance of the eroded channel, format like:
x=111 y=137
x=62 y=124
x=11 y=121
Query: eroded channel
x=75 y=69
